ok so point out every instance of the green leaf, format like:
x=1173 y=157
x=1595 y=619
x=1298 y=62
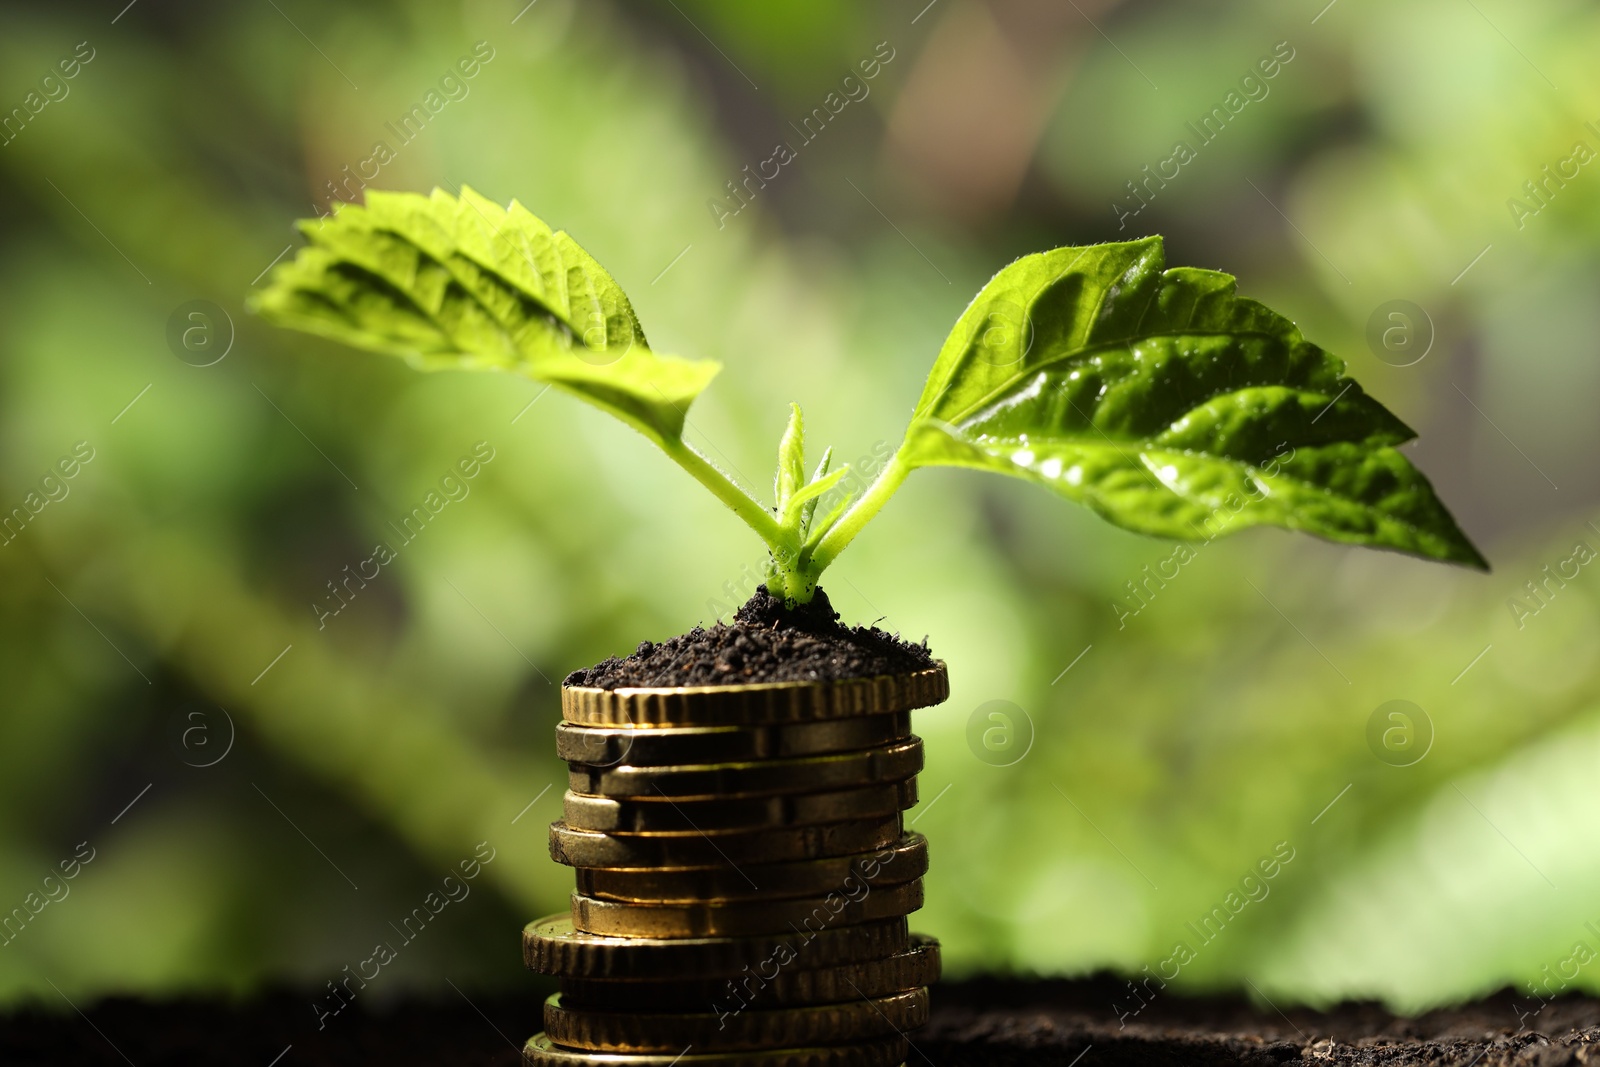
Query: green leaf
x=819 y=529
x=811 y=505
x=804 y=501
x=1171 y=406
x=791 y=461
x=449 y=282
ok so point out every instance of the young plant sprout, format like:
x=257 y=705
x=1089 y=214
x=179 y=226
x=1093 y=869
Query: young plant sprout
x=1157 y=397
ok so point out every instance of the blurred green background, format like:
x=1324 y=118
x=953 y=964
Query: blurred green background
x=264 y=796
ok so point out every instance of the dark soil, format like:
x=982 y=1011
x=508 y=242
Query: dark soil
x=997 y=1022
x=984 y=1023
x=766 y=642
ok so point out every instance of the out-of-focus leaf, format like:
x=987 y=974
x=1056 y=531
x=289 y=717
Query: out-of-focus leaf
x=1171 y=406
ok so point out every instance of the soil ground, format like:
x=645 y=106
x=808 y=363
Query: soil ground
x=990 y=1022
x=766 y=642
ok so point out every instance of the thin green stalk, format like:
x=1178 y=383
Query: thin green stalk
x=861 y=512
x=707 y=474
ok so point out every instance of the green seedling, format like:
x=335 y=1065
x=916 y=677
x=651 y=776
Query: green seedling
x=1157 y=397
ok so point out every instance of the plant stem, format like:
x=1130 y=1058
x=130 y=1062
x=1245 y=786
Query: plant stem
x=707 y=474
x=861 y=512
x=795 y=574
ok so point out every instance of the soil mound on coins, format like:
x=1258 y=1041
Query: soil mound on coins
x=766 y=642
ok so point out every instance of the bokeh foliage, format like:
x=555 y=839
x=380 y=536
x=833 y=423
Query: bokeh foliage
x=1188 y=740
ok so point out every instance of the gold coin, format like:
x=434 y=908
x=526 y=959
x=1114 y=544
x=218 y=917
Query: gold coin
x=755 y=705
x=587 y=848
x=540 y=1051
x=771 y=987
x=862 y=1019
x=607 y=746
x=551 y=946
x=745 y=918
x=808 y=774
x=663 y=815
x=904 y=860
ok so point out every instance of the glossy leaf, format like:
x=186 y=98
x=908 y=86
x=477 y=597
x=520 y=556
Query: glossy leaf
x=450 y=282
x=1171 y=406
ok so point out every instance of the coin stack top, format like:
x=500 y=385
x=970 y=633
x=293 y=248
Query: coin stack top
x=743 y=877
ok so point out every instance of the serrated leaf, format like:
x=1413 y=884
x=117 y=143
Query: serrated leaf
x=448 y=282
x=1171 y=406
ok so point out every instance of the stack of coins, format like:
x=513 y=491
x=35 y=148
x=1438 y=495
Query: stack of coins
x=743 y=877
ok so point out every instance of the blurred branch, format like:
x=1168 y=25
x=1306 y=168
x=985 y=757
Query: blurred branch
x=393 y=751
